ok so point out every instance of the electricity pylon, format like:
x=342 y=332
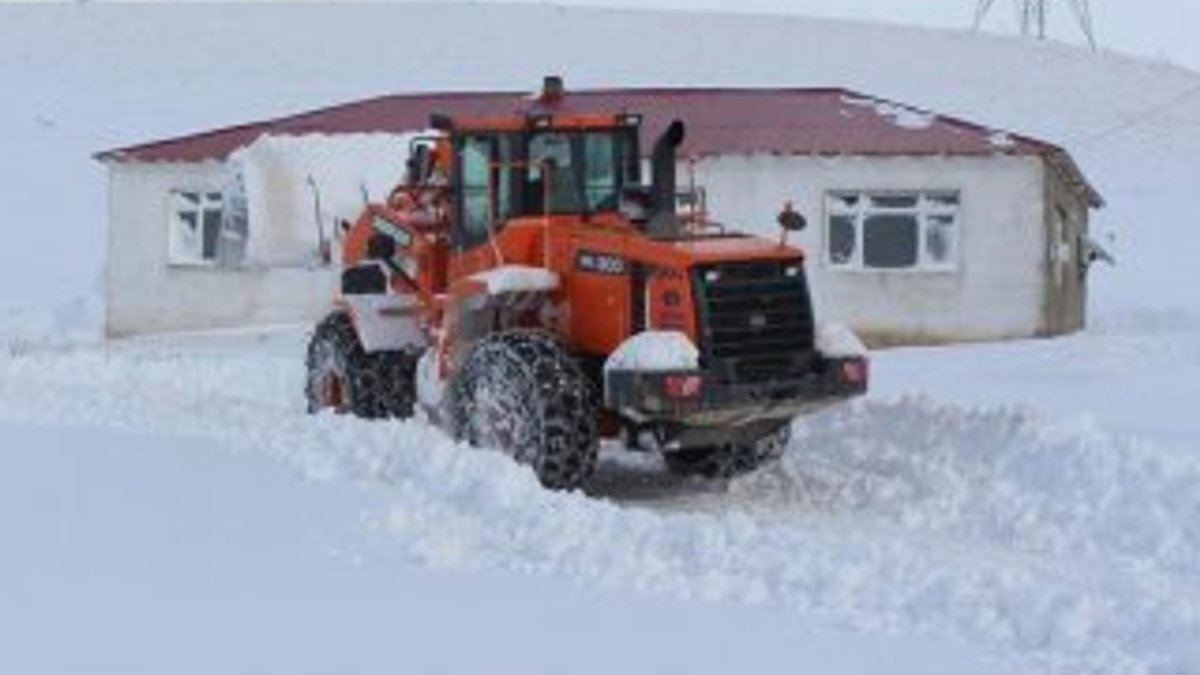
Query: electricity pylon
x=1034 y=15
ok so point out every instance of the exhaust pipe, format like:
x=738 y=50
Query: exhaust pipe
x=662 y=166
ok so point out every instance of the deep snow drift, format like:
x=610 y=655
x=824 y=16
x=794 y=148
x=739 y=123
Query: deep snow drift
x=189 y=558
x=1056 y=546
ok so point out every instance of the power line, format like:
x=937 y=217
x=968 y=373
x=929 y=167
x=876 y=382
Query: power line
x=1141 y=117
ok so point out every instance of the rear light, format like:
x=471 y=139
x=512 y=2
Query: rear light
x=856 y=371
x=682 y=386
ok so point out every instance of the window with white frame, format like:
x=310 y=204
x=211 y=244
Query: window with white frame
x=916 y=230
x=196 y=221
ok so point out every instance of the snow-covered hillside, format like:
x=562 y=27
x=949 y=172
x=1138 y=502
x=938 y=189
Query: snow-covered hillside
x=1035 y=504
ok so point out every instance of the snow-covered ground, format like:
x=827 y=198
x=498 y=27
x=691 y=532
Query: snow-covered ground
x=1049 y=540
x=166 y=505
x=156 y=555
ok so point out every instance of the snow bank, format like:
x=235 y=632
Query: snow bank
x=52 y=327
x=283 y=175
x=838 y=341
x=517 y=278
x=430 y=387
x=1055 y=544
x=205 y=555
x=1058 y=546
x=655 y=351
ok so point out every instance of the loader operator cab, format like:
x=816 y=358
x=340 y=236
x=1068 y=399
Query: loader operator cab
x=546 y=168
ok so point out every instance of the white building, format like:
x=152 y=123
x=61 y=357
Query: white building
x=923 y=228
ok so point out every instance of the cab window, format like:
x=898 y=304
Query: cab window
x=485 y=187
x=586 y=170
x=551 y=174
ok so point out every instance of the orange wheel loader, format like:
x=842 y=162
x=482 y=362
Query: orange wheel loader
x=532 y=293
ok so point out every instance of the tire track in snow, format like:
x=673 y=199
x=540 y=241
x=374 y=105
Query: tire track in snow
x=1058 y=547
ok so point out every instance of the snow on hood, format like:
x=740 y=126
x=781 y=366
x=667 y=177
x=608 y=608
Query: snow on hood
x=516 y=278
x=279 y=174
x=655 y=351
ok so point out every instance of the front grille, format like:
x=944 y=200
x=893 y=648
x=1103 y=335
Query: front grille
x=756 y=322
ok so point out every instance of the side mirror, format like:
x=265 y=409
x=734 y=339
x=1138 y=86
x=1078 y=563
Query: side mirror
x=791 y=220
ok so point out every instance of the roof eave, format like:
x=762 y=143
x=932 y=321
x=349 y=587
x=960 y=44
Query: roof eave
x=1062 y=161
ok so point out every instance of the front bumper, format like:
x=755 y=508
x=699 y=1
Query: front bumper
x=696 y=398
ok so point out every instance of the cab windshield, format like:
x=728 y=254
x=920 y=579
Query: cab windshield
x=532 y=173
x=579 y=172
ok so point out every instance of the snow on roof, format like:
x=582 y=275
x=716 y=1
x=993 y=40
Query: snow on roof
x=720 y=121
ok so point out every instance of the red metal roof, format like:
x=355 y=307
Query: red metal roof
x=719 y=121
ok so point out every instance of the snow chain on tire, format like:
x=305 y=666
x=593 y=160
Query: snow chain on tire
x=730 y=461
x=521 y=392
x=341 y=375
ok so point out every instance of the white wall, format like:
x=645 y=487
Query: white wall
x=145 y=294
x=998 y=289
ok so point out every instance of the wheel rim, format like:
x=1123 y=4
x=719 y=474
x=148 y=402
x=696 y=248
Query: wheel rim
x=333 y=394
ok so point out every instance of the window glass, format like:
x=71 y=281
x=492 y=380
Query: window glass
x=893 y=230
x=939 y=239
x=894 y=201
x=551 y=160
x=842 y=240
x=190 y=220
x=195 y=227
x=212 y=233
x=604 y=161
x=627 y=155
x=474 y=158
x=601 y=181
x=503 y=176
x=845 y=202
x=942 y=199
x=890 y=241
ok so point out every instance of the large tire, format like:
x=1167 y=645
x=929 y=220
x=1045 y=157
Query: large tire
x=521 y=392
x=732 y=460
x=345 y=378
